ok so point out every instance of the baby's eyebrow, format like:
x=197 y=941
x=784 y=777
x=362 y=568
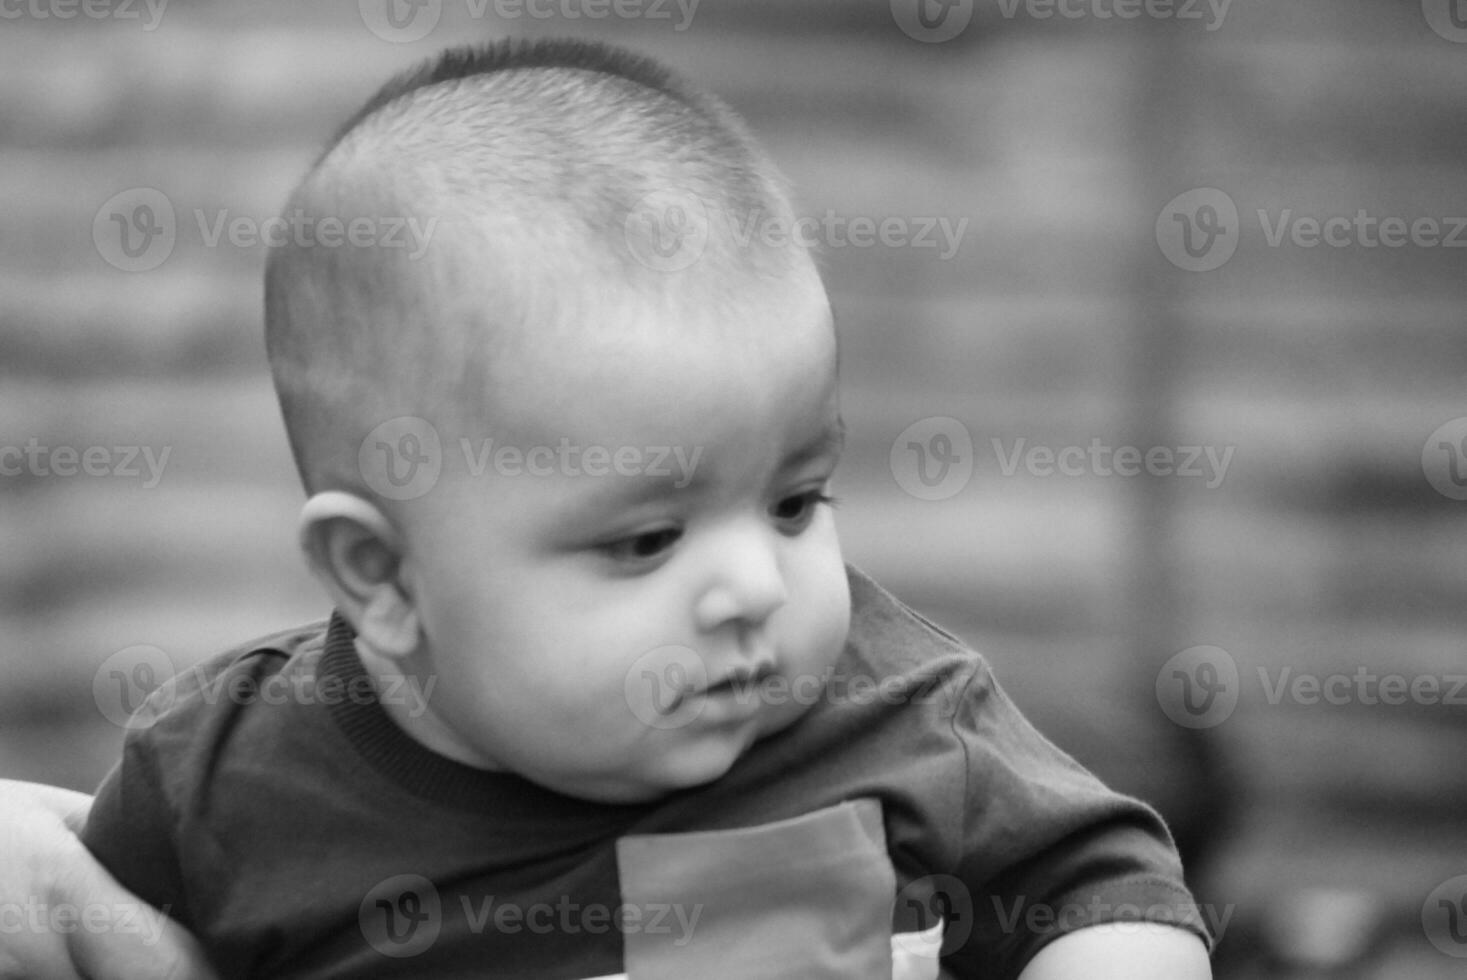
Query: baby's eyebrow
x=829 y=443
x=672 y=470
x=683 y=474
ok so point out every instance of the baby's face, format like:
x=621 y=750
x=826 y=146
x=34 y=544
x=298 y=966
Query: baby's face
x=661 y=584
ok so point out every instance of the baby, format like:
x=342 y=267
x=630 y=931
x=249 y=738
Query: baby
x=580 y=712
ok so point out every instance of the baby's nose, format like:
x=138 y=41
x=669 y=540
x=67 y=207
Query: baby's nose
x=748 y=584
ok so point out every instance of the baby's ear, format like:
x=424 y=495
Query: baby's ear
x=356 y=553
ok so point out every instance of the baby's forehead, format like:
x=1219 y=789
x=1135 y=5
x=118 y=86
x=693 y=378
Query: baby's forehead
x=624 y=354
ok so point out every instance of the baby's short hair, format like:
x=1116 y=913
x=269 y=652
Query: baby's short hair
x=528 y=163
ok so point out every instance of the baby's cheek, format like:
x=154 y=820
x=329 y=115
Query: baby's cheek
x=827 y=619
x=837 y=624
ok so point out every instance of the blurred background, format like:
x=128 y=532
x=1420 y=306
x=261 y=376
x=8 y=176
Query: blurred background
x=1184 y=457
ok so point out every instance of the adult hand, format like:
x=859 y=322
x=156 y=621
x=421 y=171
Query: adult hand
x=62 y=916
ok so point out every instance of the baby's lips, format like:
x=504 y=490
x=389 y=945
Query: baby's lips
x=660 y=683
x=742 y=680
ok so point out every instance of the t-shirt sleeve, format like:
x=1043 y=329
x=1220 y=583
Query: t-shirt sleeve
x=129 y=829
x=1047 y=848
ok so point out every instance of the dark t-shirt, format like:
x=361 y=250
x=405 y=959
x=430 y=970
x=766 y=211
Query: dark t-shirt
x=274 y=809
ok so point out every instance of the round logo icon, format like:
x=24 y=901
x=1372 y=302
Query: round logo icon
x=401 y=916
x=402 y=458
x=135 y=231
x=668 y=230
x=1199 y=231
x=401 y=21
x=932 y=21
x=1444 y=459
x=659 y=682
x=933 y=458
x=1198 y=688
x=1444 y=917
x=124 y=686
x=934 y=899
x=1448 y=18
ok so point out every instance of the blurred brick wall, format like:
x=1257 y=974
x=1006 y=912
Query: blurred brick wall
x=1058 y=320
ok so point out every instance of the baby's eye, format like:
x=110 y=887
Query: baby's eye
x=798 y=511
x=645 y=546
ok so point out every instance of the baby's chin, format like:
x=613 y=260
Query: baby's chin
x=696 y=767
x=683 y=766
x=706 y=760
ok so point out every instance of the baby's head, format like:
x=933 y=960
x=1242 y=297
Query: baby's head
x=596 y=594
